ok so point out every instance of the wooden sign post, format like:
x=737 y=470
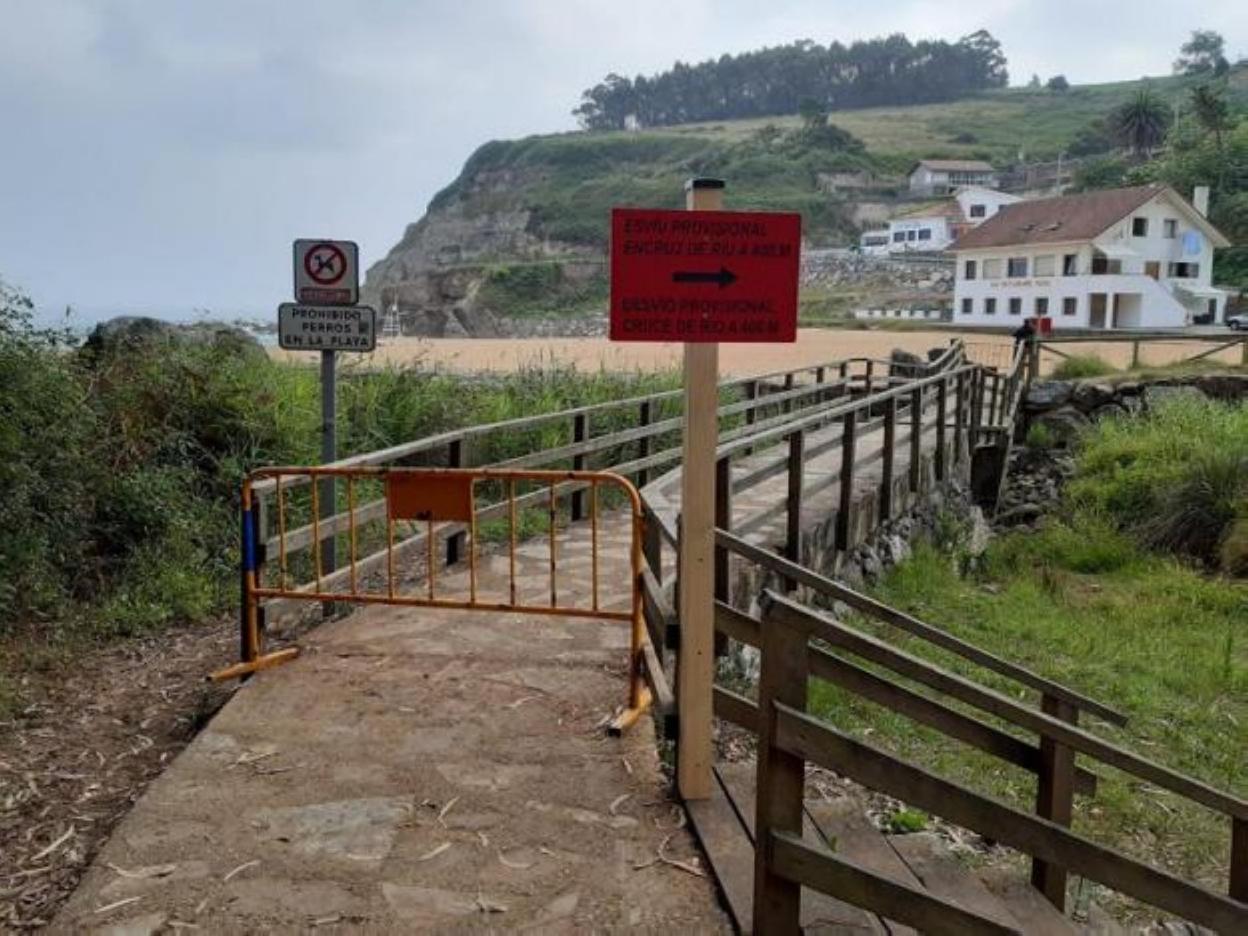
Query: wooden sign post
x=696 y=672
x=701 y=279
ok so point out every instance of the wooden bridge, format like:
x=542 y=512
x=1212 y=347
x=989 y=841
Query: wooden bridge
x=440 y=767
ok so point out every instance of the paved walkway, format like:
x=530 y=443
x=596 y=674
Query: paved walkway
x=418 y=770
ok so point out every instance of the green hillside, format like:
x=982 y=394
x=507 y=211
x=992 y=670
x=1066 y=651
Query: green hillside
x=569 y=181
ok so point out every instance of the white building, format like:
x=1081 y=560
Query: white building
x=943 y=176
x=937 y=225
x=1123 y=258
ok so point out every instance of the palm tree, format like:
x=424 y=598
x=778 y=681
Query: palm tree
x=1141 y=123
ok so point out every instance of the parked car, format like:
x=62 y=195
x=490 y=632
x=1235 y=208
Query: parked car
x=1237 y=322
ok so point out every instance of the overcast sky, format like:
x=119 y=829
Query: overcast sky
x=160 y=155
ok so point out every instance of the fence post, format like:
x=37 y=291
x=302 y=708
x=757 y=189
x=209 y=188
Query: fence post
x=722 y=559
x=977 y=405
x=916 y=439
x=870 y=375
x=1135 y=354
x=781 y=777
x=787 y=406
x=1033 y=355
x=1243 y=352
x=1055 y=797
x=890 y=452
x=849 y=433
x=820 y=378
x=643 y=445
x=942 y=414
x=456 y=541
x=959 y=419
x=1239 y=852
x=580 y=432
x=793 y=506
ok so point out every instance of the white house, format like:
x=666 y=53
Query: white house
x=1122 y=258
x=937 y=225
x=943 y=176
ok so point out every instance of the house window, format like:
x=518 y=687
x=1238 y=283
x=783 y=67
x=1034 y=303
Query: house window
x=1042 y=306
x=925 y=234
x=899 y=237
x=1017 y=267
x=968 y=271
x=992 y=268
x=911 y=235
x=1070 y=264
x=1184 y=270
x=990 y=306
x=1044 y=265
x=1170 y=228
x=1139 y=227
x=1069 y=305
x=968 y=306
x=1016 y=306
x=979 y=211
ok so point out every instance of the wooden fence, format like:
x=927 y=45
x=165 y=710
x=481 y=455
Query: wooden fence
x=789 y=738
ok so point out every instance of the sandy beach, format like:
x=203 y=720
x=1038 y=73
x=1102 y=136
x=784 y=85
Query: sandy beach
x=813 y=346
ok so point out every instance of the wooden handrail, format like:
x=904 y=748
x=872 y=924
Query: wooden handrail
x=935 y=636
x=875 y=688
x=787 y=612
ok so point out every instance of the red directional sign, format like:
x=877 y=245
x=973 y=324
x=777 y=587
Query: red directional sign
x=704 y=276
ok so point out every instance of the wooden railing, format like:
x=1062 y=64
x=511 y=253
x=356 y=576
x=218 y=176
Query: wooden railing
x=1052 y=344
x=789 y=738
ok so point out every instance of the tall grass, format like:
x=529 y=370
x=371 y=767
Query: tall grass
x=1176 y=479
x=1084 y=604
x=122 y=470
x=1079 y=366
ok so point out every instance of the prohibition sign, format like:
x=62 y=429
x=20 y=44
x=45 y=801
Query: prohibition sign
x=325 y=263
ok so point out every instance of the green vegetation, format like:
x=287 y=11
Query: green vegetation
x=784 y=79
x=122 y=468
x=1078 y=366
x=540 y=289
x=569 y=182
x=1096 y=600
x=1176 y=480
x=1040 y=436
x=1082 y=604
x=907 y=821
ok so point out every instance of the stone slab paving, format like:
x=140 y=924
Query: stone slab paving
x=418 y=771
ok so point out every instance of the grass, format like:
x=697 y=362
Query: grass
x=1107 y=599
x=1175 y=480
x=1082 y=604
x=1079 y=366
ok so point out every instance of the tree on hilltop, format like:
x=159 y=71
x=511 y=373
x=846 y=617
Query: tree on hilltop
x=1058 y=83
x=1204 y=53
x=1141 y=123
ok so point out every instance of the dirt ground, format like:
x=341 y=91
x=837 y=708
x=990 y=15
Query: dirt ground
x=813 y=346
x=88 y=733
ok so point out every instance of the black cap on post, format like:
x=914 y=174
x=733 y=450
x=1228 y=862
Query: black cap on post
x=704 y=183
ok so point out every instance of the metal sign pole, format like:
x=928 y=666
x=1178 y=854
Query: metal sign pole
x=329 y=454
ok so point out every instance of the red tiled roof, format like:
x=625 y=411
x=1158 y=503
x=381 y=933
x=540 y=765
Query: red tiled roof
x=1057 y=220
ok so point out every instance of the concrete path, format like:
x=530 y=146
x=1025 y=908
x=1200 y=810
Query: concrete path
x=413 y=771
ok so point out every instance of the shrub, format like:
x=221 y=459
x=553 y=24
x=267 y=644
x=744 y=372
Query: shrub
x=907 y=821
x=1176 y=479
x=1080 y=366
x=1040 y=436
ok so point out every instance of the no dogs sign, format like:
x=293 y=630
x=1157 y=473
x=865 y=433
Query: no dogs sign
x=327 y=272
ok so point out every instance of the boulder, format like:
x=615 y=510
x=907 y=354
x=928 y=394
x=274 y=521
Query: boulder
x=1230 y=388
x=1110 y=410
x=1047 y=394
x=1026 y=513
x=1088 y=396
x=133 y=332
x=904 y=364
x=1064 y=423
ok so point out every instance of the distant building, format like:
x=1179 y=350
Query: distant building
x=1123 y=258
x=936 y=225
x=944 y=176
